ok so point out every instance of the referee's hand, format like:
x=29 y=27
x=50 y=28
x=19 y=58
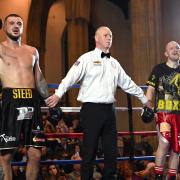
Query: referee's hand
x=52 y=101
x=148 y=104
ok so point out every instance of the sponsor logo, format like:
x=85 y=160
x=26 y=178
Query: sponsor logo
x=7 y=138
x=25 y=113
x=97 y=63
x=36 y=139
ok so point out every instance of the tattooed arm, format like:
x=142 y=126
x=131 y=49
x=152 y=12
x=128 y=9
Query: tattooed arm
x=40 y=81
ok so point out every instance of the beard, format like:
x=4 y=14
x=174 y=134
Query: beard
x=14 y=38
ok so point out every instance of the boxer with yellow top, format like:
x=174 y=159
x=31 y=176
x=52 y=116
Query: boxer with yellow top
x=164 y=83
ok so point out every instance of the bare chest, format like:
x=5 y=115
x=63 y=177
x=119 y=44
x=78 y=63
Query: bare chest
x=17 y=58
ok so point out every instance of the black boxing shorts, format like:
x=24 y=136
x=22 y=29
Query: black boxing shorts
x=21 y=121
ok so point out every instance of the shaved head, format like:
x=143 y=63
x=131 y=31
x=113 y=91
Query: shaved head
x=172 y=53
x=100 y=29
x=171 y=43
x=103 y=38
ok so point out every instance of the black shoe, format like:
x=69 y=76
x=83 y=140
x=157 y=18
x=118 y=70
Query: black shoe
x=158 y=177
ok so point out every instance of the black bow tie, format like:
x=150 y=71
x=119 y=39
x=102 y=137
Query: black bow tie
x=105 y=55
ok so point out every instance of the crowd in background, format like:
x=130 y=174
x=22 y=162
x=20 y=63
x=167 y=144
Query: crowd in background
x=70 y=149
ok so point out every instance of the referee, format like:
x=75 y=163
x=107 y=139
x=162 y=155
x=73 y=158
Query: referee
x=100 y=75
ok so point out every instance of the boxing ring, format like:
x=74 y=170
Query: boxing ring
x=129 y=133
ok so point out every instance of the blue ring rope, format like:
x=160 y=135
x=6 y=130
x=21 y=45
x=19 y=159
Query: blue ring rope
x=55 y=86
x=59 y=162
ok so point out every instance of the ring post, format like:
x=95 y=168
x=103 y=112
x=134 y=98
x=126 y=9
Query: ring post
x=131 y=130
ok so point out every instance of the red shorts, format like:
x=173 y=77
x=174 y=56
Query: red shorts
x=174 y=121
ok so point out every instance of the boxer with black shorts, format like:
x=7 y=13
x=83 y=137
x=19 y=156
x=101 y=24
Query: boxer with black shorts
x=164 y=83
x=22 y=110
x=22 y=84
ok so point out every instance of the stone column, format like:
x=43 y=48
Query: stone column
x=146 y=36
x=77 y=17
x=145 y=16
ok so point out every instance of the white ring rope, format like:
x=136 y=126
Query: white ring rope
x=77 y=109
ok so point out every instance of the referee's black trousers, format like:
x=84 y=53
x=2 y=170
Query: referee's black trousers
x=98 y=120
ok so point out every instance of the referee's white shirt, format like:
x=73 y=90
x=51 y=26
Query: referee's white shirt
x=99 y=79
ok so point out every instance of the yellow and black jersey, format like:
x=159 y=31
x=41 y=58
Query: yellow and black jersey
x=166 y=81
